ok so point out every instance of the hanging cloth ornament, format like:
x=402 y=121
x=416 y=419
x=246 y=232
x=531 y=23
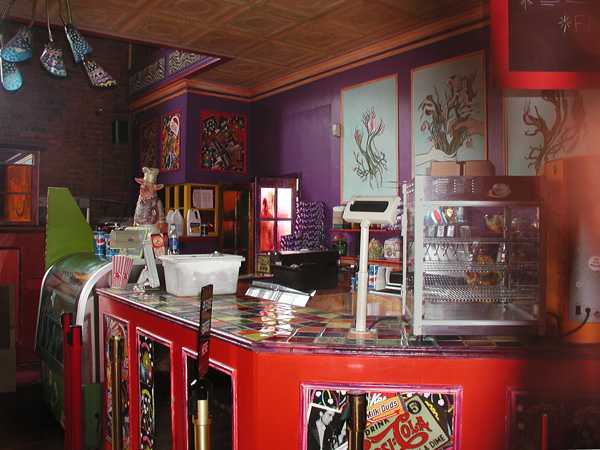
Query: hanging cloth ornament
x=79 y=46
x=52 y=58
x=99 y=77
x=10 y=77
x=19 y=48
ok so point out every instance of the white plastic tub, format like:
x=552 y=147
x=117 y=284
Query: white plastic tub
x=185 y=275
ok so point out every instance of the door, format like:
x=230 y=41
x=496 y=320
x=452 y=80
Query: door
x=275 y=211
x=236 y=236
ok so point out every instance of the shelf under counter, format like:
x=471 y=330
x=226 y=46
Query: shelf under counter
x=395 y=263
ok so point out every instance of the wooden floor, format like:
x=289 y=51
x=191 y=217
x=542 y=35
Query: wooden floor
x=26 y=423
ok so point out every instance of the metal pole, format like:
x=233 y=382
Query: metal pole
x=358 y=420
x=76 y=397
x=66 y=320
x=116 y=344
x=363 y=279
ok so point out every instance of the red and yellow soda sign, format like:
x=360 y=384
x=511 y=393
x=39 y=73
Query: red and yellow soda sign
x=413 y=429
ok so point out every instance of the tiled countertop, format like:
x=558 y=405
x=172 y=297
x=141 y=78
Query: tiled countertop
x=266 y=326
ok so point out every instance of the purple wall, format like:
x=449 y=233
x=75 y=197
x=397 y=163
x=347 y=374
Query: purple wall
x=292 y=131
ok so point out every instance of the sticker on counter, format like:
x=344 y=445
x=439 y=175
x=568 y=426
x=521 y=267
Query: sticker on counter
x=385 y=408
x=594 y=263
x=417 y=429
x=397 y=419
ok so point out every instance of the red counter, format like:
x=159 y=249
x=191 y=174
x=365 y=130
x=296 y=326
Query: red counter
x=289 y=365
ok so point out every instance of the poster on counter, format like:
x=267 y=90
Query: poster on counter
x=398 y=418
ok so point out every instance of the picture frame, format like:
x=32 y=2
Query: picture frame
x=331 y=399
x=369 y=115
x=449 y=111
x=223 y=142
x=170 y=141
x=534 y=122
x=149 y=143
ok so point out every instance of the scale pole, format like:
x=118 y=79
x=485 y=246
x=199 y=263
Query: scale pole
x=363 y=278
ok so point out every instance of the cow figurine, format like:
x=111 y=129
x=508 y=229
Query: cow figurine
x=149 y=209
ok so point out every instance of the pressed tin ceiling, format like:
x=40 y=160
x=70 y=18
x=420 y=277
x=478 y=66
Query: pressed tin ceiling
x=265 y=39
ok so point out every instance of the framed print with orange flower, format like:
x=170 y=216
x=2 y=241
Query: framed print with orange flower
x=170 y=142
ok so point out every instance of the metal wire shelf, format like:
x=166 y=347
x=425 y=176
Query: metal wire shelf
x=458 y=266
x=478 y=294
x=479 y=240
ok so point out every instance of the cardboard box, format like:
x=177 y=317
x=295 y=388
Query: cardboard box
x=445 y=169
x=462 y=168
x=478 y=169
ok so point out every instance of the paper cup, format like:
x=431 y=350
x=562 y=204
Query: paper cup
x=121 y=268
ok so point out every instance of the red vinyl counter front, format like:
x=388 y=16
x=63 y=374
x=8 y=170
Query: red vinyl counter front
x=289 y=365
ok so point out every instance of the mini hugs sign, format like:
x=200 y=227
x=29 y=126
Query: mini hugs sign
x=546 y=44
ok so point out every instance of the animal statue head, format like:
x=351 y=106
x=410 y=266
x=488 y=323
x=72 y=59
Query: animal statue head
x=149 y=209
x=148 y=186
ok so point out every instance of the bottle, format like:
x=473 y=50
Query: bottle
x=173 y=240
x=178 y=221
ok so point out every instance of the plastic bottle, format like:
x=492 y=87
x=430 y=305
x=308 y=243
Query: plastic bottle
x=178 y=221
x=173 y=240
x=169 y=218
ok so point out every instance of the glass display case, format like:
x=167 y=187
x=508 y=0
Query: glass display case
x=68 y=287
x=473 y=256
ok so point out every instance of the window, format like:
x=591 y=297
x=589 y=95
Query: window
x=275 y=217
x=18 y=187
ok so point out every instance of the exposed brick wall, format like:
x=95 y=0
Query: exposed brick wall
x=72 y=122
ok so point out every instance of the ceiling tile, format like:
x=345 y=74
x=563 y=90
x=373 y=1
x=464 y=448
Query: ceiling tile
x=221 y=42
x=433 y=9
x=367 y=17
x=321 y=34
x=260 y=21
x=280 y=54
x=305 y=8
x=163 y=29
x=207 y=11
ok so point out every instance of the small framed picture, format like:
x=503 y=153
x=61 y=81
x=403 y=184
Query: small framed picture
x=450 y=231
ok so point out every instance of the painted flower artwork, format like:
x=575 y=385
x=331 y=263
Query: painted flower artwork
x=449 y=112
x=542 y=126
x=447 y=117
x=559 y=136
x=370 y=163
x=369 y=151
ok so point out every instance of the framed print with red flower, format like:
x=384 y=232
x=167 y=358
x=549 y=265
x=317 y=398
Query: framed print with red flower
x=170 y=142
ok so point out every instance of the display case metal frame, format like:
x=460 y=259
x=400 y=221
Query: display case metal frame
x=460 y=309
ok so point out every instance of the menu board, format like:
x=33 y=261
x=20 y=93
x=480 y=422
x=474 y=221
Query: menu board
x=552 y=35
x=546 y=44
